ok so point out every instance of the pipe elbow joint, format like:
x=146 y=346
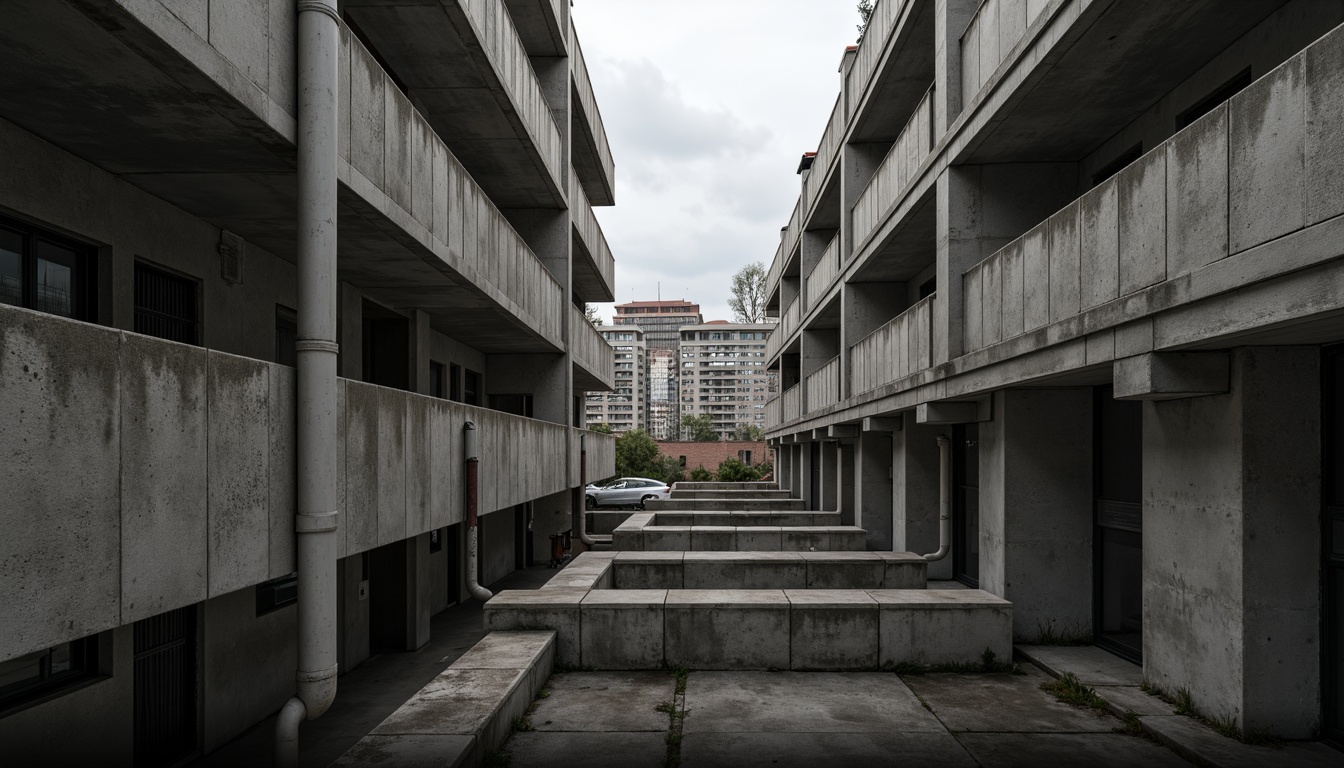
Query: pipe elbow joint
x=316 y=690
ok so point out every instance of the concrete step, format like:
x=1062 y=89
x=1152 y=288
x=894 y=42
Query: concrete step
x=734 y=629
x=743 y=519
x=468 y=710
x=760 y=485
x=769 y=570
x=677 y=493
x=724 y=505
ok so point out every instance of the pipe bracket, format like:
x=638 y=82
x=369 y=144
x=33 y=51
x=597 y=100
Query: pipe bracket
x=316 y=676
x=316 y=522
x=317 y=345
x=321 y=6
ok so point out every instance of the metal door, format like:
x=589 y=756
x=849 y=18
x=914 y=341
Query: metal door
x=1332 y=519
x=1117 y=534
x=966 y=503
x=165 y=687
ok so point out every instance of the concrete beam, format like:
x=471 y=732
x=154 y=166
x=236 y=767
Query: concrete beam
x=1170 y=375
x=883 y=424
x=837 y=431
x=820 y=435
x=962 y=412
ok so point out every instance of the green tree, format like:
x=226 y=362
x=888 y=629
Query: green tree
x=732 y=470
x=590 y=312
x=748 y=433
x=667 y=469
x=603 y=428
x=748 y=293
x=865 y=15
x=699 y=429
x=635 y=453
x=701 y=475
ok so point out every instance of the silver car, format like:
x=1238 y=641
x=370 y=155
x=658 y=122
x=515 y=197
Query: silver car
x=626 y=491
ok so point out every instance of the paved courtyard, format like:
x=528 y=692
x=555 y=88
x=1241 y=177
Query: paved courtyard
x=814 y=718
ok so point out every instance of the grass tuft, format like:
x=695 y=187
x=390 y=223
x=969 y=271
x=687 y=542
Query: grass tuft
x=1049 y=634
x=1225 y=725
x=544 y=693
x=1070 y=690
x=496 y=758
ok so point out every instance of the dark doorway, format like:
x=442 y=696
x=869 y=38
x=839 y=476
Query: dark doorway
x=452 y=544
x=165 y=687
x=387 y=598
x=518 y=405
x=386 y=348
x=966 y=503
x=166 y=305
x=1332 y=496
x=1117 y=535
x=522 y=556
x=813 y=490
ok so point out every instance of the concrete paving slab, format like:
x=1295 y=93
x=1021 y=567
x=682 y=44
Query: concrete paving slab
x=1090 y=664
x=1124 y=698
x=795 y=702
x=1194 y=740
x=837 y=750
x=605 y=702
x=409 y=752
x=1004 y=703
x=587 y=750
x=1095 y=750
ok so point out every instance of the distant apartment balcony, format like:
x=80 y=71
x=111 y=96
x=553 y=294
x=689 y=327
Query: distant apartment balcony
x=774 y=412
x=885 y=15
x=900 y=348
x=593 y=164
x=823 y=386
x=594 y=265
x=594 y=363
x=145 y=475
x=1234 y=198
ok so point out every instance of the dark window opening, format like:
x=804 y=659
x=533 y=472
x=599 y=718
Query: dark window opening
x=438 y=379
x=928 y=288
x=286 y=336
x=386 y=349
x=166 y=305
x=966 y=503
x=518 y=405
x=1117 y=536
x=455 y=382
x=277 y=593
x=43 y=271
x=471 y=391
x=165 y=695
x=1118 y=164
x=1209 y=103
x=41 y=673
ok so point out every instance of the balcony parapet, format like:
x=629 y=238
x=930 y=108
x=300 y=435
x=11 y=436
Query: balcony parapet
x=783 y=334
x=995 y=29
x=593 y=163
x=823 y=386
x=827 y=153
x=880 y=25
x=793 y=403
x=595 y=266
x=823 y=274
x=902 y=347
x=591 y=353
x=897 y=171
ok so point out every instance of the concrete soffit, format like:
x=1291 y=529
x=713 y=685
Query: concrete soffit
x=1171 y=375
x=955 y=411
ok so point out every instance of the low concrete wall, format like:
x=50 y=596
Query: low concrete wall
x=691 y=485
x=639 y=534
x=742 y=519
x=760 y=628
x=468 y=710
x=769 y=570
x=678 y=493
x=725 y=505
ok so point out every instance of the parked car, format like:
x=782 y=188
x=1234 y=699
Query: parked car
x=625 y=491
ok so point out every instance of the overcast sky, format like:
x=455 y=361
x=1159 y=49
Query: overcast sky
x=708 y=105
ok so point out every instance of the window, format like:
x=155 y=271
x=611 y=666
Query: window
x=37 y=674
x=43 y=271
x=165 y=305
x=438 y=379
x=277 y=593
x=1118 y=164
x=1207 y=104
x=455 y=382
x=471 y=392
x=286 y=336
x=928 y=288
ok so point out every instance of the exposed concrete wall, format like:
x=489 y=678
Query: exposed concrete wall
x=1231 y=542
x=247 y=664
x=1036 y=508
x=90 y=726
x=352 y=613
x=542 y=376
x=873 y=489
x=497 y=545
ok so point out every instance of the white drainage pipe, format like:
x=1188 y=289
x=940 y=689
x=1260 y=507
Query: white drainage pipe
x=944 y=500
x=577 y=498
x=473 y=461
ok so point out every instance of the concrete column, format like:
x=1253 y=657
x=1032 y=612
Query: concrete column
x=873 y=488
x=950 y=19
x=420 y=346
x=914 y=486
x=828 y=498
x=1036 y=502
x=1231 y=543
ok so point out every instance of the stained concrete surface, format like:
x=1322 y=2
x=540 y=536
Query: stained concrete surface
x=366 y=695
x=605 y=702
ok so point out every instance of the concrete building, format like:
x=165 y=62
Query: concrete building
x=623 y=408
x=1097 y=246
x=723 y=374
x=159 y=288
x=661 y=322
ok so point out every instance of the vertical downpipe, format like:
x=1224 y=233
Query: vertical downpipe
x=473 y=461
x=944 y=500
x=318 y=43
x=576 y=500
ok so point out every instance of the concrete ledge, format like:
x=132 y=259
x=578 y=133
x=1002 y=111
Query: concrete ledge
x=604 y=521
x=1171 y=375
x=678 y=493
x=725 y=505
x=466 y=711
x=646 y=531
x=753 y=485
x=850 y=629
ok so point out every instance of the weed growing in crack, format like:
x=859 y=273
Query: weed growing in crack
x=496 y=758
x=988 y=663
x=1072 y=635
x=1070 y=690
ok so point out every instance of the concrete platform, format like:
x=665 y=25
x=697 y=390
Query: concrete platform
x=645 y=532
x=725 y=505
x=678 y=493
x=754 y=485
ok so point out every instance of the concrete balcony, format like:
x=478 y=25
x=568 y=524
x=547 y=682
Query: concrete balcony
x=594 y=266
x=542 y=25
x=793 y=403
x=1200 y=214
x=823 y=386
x=900 y=348
x=899 y=168
x=594 y=361
x=816 y=178
x=823 y=274
x=464 y=65
x=996 y=28
x=144 y=475
x=593 y=164
x=185 y=111
x=783 y=335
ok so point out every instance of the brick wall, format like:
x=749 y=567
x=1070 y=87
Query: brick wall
x=708 y=455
